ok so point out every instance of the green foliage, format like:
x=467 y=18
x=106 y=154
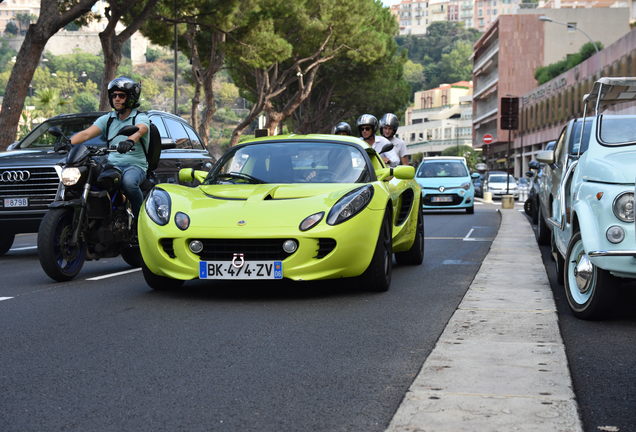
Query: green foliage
x=472 y=156
x=414 y=75
x=76 y=64
x=86 y=102
x=6 y=54
x=546 y=73
x=153 y=54
x=11 y=28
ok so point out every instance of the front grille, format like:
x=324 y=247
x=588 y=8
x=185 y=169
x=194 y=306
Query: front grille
x=39 y=189
x=455 y=200
x=325 y=246
x=168 y=246
x=252 y=249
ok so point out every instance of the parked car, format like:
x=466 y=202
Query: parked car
x=531 y=205
x=446 y=183
x=478 y=184
x=592 y=208
x=499 y=183
x=285 y=207
x=29 y=174
x=566 y=149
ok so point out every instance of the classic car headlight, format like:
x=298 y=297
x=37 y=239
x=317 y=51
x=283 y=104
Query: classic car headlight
x=623 y=207
x=311 y=221
x=158 y=206
x=71 y=175
x=466 y=185
x=350 y=205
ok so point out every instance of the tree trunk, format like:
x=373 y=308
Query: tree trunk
x=112 y=59
x=48 y=23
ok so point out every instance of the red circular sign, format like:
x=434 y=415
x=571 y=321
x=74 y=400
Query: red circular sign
x=487 y=139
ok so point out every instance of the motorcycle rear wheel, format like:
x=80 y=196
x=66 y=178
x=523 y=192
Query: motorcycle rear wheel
x=60 y=259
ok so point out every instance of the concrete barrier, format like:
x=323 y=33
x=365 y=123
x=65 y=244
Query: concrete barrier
x=507 y=201
x=488 y=196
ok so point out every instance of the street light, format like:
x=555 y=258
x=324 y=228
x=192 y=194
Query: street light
x=569 y=26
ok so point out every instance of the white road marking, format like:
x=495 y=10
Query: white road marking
x=5 y=298
x=24 y=248
x=113 y=274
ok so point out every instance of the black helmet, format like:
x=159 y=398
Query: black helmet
x=389 y=119
x=340 y=128
x=128 y=86
x=367 y=120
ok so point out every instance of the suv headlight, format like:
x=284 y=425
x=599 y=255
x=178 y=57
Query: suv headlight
x=623 y=207
x=158 y=206
x=350 y=205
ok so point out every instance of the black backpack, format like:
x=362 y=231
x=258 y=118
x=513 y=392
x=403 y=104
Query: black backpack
x=153 y=153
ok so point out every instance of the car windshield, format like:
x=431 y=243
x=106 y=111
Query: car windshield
x=292 y=162
x=38 y=138
x=575 y=137
x=501 y=178
x=615 y=130
x=442 y=169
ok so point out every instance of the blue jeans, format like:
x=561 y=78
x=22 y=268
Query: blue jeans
x=132 y=177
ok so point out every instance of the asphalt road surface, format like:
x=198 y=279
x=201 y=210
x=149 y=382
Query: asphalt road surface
x=106 y=353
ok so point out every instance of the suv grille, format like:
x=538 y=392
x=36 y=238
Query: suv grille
x=39 y=189
x=253 y=249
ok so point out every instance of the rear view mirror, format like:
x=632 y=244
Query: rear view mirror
x=546 y=156
x=56 y=132
x=386 y=148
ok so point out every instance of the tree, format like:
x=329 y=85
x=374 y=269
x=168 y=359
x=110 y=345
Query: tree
x=6 y=54
x=136 y=12
x=472 y=156
x=414 y=75
x=24 y=21
x=12 y=28
x=286 y=44
x=455 y=65
x=53 y=17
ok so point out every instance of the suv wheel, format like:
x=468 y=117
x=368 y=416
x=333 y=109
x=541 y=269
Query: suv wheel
x=6 y=241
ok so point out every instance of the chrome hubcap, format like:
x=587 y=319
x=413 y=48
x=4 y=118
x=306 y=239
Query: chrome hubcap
x=583 y=273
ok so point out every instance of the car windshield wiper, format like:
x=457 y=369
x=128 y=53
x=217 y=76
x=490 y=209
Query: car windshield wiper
x=240 y=176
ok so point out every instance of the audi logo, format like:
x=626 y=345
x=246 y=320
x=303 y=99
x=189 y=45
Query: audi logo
x=15 y=176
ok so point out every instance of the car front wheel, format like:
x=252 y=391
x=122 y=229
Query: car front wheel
x=159 y=283
x=377 y=277
x=590 y=290
x=6 y=241
x=543 y=232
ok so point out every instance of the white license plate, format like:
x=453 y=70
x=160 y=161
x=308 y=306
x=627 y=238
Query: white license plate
x=16 y=202
x=442 y=199
x=240 y=269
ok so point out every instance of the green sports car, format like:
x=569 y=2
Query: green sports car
x=300 y=207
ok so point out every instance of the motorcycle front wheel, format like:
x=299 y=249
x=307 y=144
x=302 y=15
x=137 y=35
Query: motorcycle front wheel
x=60 y=259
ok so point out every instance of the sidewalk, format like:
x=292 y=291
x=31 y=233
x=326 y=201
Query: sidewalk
x=500 y=364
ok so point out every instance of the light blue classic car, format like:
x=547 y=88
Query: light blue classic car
x=592 y=214
x=446 y=183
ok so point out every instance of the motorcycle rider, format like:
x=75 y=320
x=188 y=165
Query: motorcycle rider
x=367 y=125
x=123 y=95
x=342 y=128
x=389 y=124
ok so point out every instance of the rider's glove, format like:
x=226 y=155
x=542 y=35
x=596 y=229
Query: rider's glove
x=125 y=146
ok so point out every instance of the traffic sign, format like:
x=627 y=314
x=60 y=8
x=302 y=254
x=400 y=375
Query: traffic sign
x=487 y=139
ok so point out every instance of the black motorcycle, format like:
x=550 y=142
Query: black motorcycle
x=90 y=217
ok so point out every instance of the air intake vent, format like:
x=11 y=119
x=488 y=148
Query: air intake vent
x=325 y=246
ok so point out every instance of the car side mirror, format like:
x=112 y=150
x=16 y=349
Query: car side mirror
x=56 y=132
x=546 y=156
x=475 y=175
x=529 y=174
x=13 y=146
x=404 y=172
x=386 y=148
x=533 y=164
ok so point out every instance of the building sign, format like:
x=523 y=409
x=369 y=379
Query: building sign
x=545 y=91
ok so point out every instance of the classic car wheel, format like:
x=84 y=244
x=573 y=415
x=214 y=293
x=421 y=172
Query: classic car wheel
x=60 y=259
x=159 y=283
x=6 y=241
x=590 y=290
x=559 y=262
x=377 y=277
x=415 y=255
x=543 y=232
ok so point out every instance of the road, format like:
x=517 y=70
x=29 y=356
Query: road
x=104 y=352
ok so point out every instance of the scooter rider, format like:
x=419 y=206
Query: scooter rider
x=342 y=128
x=123 y=95
x=367 y=125
x=389 y=124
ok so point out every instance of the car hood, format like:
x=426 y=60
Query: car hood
x=614 y=167
x=436 y=182
x=29 y=158
x=260 y=206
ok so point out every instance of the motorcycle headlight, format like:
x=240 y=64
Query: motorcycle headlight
x=70 y=176
x=350 y=205
x=466 y=186
x=623 y=207
x=158 y=206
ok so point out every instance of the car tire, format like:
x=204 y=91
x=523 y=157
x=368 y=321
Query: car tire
x=470 y=210
x=59 y=259
x=543 y=232
x=590 y=298
x=6 y=241
x=534 y=211
x=159 y=283
x=415 y=255
x=559 y=262
x=377 y=277
x=132 y=256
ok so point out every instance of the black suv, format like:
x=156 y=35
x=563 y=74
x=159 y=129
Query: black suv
x=29 y=170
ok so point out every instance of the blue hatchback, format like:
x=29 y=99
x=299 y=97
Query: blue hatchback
x=446 y=183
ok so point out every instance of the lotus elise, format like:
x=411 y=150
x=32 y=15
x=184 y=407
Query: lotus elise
x=285 y=207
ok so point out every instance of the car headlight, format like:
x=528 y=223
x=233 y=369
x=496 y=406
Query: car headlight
x=466 y=185
x=623 y=207
x=70 y=176
x=350 y=205
x=158 y=206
